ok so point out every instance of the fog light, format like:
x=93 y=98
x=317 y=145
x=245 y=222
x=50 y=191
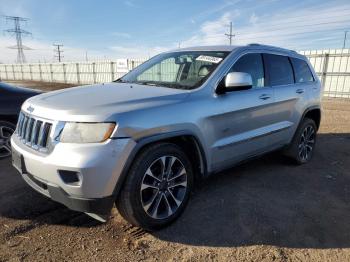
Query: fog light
x=70 y=177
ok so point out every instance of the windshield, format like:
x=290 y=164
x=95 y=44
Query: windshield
x=182 y=70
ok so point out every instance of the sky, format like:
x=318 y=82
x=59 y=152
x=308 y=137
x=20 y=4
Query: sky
x=106 y=30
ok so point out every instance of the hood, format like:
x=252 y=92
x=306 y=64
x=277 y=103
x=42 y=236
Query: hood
x=100 y=102
x=17 y=91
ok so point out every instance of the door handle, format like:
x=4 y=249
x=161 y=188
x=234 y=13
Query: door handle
x=300 y=91
x=264 y=96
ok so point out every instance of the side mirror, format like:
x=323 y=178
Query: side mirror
x=235 y=81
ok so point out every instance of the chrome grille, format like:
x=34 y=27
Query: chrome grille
x=33 y=132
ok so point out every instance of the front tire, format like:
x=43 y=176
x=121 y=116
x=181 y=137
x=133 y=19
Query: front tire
x=303 y=144
x=6 y=131
x=157 y=187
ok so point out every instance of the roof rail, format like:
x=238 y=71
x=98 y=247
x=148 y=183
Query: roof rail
x=270 y=46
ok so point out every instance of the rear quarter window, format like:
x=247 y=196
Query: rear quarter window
x=302 y=71
x=279 y=69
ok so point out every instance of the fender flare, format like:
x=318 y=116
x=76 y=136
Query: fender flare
x=307 y=110
x=142 y=142
x=303 y=117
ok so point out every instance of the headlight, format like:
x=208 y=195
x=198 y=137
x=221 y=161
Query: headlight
x=86 y=132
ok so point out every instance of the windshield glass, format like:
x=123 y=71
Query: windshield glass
x=183 y=70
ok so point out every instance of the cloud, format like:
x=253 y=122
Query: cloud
x=121 y=34
x=218 y=8
x=290 y=27
x=253 y=19
x=295 y=29
x=213 y=32
x=124 y=49
x=319 y=25
x=139 y=51
x=41 y=51
x=13 y=8
x=130 y=3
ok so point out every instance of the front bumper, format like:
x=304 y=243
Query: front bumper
x=100 y=206
x=98 y=166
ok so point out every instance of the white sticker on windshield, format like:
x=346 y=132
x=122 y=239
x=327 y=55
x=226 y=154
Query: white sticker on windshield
x=207 y=58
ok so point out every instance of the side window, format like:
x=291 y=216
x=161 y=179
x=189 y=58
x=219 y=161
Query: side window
x=279 y=69
x=302 y=71
x=253 y=65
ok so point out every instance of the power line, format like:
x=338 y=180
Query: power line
x=299 y=26
x=230 y=35
x=292 y=34
x=18 y=32
x=58 y=51
x=267 y=33
x=320 y=16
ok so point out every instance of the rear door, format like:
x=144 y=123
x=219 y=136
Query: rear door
x=289 y=98
x=306 y=86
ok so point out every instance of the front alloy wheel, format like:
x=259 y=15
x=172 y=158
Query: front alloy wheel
x=6 y=131
x=163 y=187
x=157 y=186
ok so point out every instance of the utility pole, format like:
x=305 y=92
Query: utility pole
x=230 y=35
x=58 y=51
x=18 y=32
x=345 y=34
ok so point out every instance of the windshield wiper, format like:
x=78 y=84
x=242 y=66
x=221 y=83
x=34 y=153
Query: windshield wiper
x=119 y=80
x=147 y=83
x=174 y=85
x=162 y=84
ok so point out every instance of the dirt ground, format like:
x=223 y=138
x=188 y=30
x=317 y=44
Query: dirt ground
x=264 y=210
x=45 y=86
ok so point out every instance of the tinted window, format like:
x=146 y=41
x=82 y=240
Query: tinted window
x=302 y=71
x=280 y=70
x=253 y=65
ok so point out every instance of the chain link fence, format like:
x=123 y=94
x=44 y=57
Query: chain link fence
x=332 y=66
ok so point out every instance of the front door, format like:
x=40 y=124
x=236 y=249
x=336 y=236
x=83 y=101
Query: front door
x=242 y=123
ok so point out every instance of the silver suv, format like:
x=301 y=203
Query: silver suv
x=144 y=140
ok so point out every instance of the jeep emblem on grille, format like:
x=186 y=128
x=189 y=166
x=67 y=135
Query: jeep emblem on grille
x=30 y=109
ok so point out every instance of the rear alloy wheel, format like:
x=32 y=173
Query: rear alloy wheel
x=306 y=143
x=303 y=144
x=6 y=131
x=157 y=187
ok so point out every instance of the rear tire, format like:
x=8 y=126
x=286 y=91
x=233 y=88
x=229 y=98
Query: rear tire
x=157 y=187
x=303 y=144
x=6 y=131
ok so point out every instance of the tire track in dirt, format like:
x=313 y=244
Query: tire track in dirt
x=56 y=216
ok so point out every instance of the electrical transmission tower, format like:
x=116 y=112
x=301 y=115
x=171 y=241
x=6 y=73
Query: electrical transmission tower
x=18 y=32
x=58 y=51
x=230 y=35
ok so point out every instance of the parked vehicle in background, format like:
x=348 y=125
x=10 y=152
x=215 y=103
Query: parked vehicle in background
x=145 y=140
x=11 y=100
